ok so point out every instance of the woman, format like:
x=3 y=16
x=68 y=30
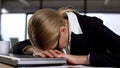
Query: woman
x=86 y=40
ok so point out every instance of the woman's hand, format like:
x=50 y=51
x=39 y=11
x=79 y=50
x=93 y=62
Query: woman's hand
x=48 y=53
x=76 y=59
x=71 y=59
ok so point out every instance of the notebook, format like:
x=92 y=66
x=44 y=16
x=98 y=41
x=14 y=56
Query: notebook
x=29 y=60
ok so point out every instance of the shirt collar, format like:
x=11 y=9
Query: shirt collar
x=74 y=25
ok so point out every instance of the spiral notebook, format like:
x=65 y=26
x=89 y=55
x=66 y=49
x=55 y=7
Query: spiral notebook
x=29 y=60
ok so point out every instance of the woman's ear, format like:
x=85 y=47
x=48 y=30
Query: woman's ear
x=64 y=32
x=63 y=29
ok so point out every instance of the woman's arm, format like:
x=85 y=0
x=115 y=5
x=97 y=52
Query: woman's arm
x=111 y=41
x=23 y=47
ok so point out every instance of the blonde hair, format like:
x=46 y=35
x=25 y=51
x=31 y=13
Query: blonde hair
x=43 y=28
x=44 y=25
x=62 y=11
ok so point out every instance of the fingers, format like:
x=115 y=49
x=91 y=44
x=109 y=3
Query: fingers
x=49 y=53
x=58 y=52
x=52 y=52
x=45 y=54
x=38 y=54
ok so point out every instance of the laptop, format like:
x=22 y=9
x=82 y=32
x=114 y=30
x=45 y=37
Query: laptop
x=29 y=60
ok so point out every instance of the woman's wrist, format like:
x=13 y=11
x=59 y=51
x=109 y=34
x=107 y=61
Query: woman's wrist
x=77 y=59
x=84 y=60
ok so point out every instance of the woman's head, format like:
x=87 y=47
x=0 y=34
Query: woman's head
x=47 y=28
x=44 y=28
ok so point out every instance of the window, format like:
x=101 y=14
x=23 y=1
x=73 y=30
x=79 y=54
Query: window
x=13 y=26
x=28 y=18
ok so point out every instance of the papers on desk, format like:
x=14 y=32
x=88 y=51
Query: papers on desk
x=29 y=60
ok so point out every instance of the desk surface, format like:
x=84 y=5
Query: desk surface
x=5 y=66
x=63 y=66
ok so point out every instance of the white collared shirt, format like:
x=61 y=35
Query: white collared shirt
x=74 y=27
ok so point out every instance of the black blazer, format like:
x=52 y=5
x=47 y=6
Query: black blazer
x=97 y=40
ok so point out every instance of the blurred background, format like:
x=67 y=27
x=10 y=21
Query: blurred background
x=15 y=14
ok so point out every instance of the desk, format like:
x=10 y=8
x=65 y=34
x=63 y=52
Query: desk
x=5 y=66
x=63 y=66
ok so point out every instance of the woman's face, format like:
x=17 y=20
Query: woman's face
x=63 y=39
